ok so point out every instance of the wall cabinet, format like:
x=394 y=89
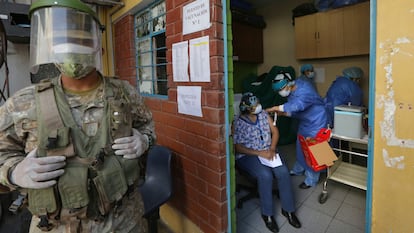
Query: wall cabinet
x=335 y=33
x=356 y=29
x=247 y=43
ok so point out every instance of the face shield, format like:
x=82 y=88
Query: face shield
x=69 y=38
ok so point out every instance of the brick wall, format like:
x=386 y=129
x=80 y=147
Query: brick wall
x=124 y=49
x=198 y=143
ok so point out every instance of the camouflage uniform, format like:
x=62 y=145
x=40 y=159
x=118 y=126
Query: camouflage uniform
x=19 y=136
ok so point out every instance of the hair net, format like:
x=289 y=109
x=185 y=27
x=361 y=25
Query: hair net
x=306 y=67
x=353 y=72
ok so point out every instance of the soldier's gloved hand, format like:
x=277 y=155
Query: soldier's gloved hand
x=131 y=147
x=37 y=173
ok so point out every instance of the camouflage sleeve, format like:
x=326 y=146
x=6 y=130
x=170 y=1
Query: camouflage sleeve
x=141 y=114
x=17 y=131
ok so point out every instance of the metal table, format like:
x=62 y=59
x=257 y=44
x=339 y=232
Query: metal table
x=346 y=172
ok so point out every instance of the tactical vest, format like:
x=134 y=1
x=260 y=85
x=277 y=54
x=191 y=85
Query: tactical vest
x=94 y=178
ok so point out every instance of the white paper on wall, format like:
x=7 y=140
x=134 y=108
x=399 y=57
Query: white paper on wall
x=189 y=100
x=180 y=62
x=200 y=59
x=196 y=16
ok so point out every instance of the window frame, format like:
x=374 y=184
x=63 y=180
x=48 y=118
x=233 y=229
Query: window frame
x=144 y=19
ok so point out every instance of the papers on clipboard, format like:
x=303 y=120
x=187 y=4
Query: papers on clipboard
x=276 y=162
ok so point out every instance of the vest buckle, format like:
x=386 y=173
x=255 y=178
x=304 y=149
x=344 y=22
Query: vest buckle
x=44 y=224
x=21 y=198
x=99 y=160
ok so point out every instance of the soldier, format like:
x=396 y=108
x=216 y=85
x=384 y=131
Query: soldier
x=72 y=144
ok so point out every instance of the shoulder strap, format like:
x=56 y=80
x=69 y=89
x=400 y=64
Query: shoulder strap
x=50 y=112
x=52 y=121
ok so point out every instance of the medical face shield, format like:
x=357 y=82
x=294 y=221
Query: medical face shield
x=66 y=37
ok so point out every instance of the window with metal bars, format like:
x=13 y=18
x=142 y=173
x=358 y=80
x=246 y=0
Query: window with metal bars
x=151 y=50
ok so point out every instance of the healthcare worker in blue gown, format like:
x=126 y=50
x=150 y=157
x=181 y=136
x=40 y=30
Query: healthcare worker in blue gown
x=308 y=74
x=304 y=104
x=345 y=90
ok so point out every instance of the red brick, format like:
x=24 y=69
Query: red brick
x=172 y=120
x=216 y=13
x=188 y=166
x=216 y=64
x=174 y=15
x=213 y=115
x=213 y=98
x=169 y=107
x=178 y=27
x=216 y=193
x=181 y=3
x=216 y=221
x=208 y=228
x=210 y=176
x=218 y=163
x=153 y=103
x=172 y=94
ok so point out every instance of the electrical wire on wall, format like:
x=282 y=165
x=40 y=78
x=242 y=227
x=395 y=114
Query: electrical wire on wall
x=5 y=91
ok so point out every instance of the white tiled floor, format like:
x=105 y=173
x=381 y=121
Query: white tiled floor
x=343 y=212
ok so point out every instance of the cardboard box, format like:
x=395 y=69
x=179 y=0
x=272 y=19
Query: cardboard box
x=323 y=153
x=317 y=151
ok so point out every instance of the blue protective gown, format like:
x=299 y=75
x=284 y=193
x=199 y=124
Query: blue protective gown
x=341 y=92
x=312 y=81
x=308 y=107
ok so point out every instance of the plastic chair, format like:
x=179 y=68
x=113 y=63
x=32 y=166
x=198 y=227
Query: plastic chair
x=157 y=187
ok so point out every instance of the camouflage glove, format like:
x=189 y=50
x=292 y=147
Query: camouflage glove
x=131 y=147
x=37 y=173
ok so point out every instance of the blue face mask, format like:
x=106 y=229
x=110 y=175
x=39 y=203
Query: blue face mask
x=311 y=75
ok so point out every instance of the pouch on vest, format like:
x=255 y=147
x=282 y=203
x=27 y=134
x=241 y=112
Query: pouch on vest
x=120 y=122
x=42 y=201
x=73 y=186
x=131 y=169
x=110 y=183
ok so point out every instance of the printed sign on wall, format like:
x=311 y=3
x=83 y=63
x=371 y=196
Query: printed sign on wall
x=196 y=16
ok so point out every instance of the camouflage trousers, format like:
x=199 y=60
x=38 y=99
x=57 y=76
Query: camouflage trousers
x=126 y=219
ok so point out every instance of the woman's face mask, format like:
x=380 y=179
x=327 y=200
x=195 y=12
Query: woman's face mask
x=284 y=93
x=258 y=109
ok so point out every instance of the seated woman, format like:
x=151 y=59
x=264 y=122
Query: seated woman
x=255 y=139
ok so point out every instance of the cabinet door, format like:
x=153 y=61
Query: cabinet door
x=330 y=34
x=356 y=29
x=305 y=37
x=247 y=43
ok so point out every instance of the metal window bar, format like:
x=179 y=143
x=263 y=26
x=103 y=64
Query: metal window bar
x=146 y=30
